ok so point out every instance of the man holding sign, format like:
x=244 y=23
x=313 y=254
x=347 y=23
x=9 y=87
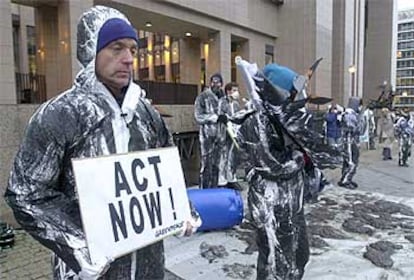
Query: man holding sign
x=101 y=114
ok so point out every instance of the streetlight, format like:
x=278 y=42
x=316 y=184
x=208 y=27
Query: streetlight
x=352 y=69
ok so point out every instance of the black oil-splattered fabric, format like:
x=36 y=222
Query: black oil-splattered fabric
x=275 y=200
x=284 y=155
x=212 y=134
x=404 y=131
x=351 y=129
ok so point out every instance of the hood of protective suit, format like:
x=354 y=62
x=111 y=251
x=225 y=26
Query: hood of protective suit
x=87 y=37
x=88 y=28
x=353 y=103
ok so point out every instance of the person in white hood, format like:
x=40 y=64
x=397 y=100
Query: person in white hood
x=352 y=125
x=232 y=98
x=102 y=113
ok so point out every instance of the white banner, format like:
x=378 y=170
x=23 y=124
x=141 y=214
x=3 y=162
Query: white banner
x=129 y=201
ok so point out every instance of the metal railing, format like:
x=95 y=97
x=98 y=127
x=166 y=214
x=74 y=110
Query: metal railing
x=169 y=93
x=30 y=88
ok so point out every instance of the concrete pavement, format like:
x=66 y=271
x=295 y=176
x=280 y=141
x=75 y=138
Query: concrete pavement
x=386 y=177
x=29 y=260
x=374 y=176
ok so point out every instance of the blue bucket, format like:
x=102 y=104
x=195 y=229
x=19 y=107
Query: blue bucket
x=219 y=208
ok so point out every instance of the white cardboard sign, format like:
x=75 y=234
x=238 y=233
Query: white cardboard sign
x=128 y=201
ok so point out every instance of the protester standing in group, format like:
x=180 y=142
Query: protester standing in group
x=387 y=132
x=372 y=127
x=351 y=131
x=333 y=126
x=404 y=131
x=103 y=113
x=210 y=111
x=276 y=186
x=233 y=98
x=278 y=167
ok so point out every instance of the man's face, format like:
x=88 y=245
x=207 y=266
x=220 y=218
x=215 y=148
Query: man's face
x=234 y=93
x=114 y=63
x=215 y=84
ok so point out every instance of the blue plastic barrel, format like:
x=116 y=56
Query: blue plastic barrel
x=219 y=208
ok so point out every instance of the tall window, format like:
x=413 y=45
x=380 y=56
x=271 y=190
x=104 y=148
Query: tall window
x=16 y=42
x=155 y=52
x=175 y=61
x=269 y=54
x=143 y=65
x=159 y=62
x=31 y=48
x=234 y=48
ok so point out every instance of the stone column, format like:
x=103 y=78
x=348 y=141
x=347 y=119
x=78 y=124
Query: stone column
x=47 y=38
x=219 y=56
x=64 y=50
x=7 y=75
x=74 y=10
x=26 y=19
x=167 y=58
x=190 y=61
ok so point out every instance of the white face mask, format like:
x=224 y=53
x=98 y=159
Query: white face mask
x=235 y=94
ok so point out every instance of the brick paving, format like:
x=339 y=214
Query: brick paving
x=26 y=260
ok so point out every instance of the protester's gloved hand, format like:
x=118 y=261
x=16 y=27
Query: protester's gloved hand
x=294 y=165
x=241 y=116
x=222 y=118
x=88 y=270
x=298 y=158
x=190 y=226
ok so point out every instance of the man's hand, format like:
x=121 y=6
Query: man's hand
x=241 y=116
x=88 y=270
x=190 y=227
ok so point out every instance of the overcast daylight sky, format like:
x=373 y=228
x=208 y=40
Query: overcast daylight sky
x=405 y=4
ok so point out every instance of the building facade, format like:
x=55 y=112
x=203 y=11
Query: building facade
x=347 y=49
x=405 y=53
x=380 y=47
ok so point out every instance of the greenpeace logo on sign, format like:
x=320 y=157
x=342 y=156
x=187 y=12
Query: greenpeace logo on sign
x=165 y=231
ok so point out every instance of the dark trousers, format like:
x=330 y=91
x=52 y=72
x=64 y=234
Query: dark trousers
x=148 y=264
x=291 y=256
x=276 y=207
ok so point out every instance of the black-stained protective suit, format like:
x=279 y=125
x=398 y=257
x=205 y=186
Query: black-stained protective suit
x=213 y=136
x=284 y=156
x=84 y=121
